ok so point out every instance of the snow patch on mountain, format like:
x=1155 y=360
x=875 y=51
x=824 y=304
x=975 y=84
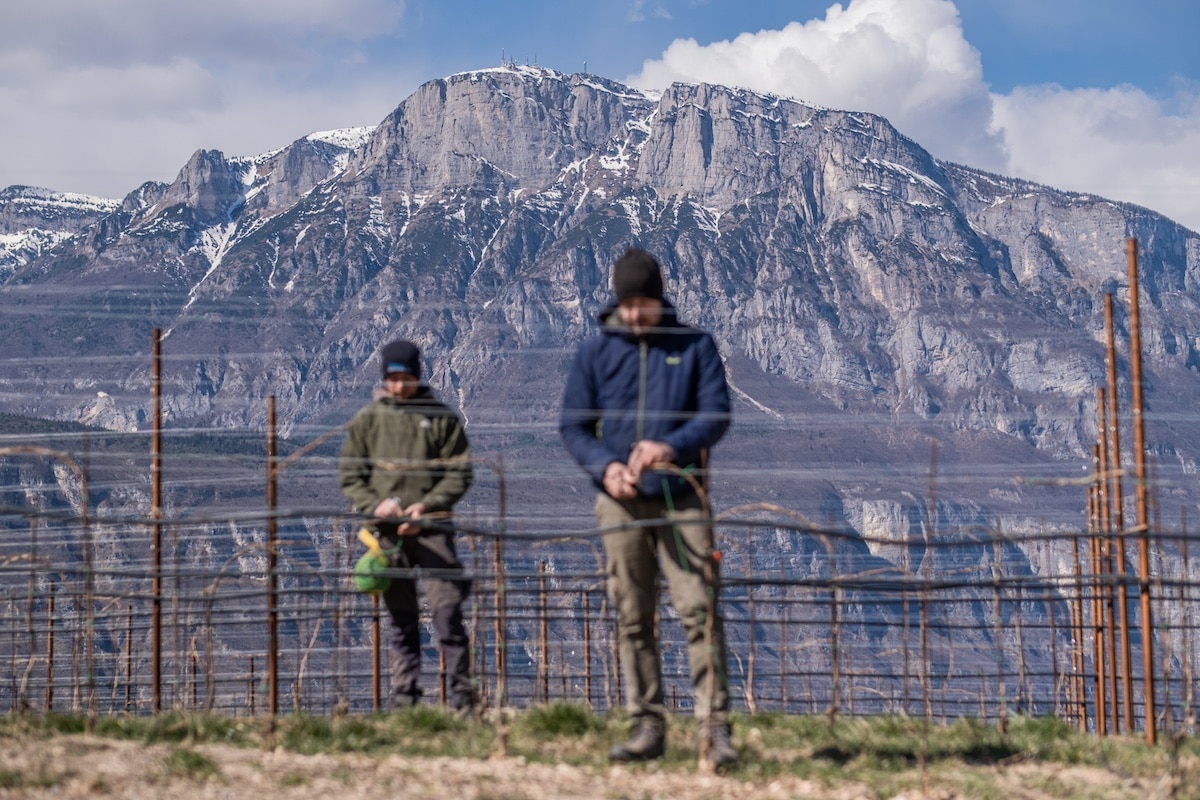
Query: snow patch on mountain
x=905 y=173
x=348 y=138
x=48 y=203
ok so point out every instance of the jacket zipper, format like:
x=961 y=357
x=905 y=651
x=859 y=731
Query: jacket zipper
x=643 y=349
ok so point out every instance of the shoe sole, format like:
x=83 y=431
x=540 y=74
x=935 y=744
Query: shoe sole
x=622 y=756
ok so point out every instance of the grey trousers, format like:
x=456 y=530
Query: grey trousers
x=680 y=548
x=445 y=588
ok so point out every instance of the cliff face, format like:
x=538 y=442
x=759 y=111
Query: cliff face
x=34 y=221
x=869 y=299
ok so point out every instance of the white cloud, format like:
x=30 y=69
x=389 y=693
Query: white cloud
x=637 y=11
x=169 y=89
x=99 y=97
x=1118 y=143
x=150 y=82
x=906 y=61
x=120 y=152
x=910 y=62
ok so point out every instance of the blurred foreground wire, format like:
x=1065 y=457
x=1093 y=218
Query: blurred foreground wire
x=818 y=620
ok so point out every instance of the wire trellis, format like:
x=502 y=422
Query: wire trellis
x=815 y=623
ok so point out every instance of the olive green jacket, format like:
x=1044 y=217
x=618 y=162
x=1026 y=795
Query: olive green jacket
x=415 y=450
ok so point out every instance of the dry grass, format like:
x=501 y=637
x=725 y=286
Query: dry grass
x=559 y=751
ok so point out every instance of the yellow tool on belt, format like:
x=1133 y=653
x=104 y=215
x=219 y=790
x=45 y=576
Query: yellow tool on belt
x=370 y=571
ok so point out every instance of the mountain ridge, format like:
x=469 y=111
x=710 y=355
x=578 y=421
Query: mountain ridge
x=914 y=347
x=834 y=259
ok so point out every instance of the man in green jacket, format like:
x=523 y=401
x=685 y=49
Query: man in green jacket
x=405 y=462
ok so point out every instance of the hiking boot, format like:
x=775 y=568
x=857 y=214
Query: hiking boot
x=647 y=742
x=721 y=752
x=403 y=700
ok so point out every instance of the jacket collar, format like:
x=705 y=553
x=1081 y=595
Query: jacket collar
x=423 y=397
x=611 y=324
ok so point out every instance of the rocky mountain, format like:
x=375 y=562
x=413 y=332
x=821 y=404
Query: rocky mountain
x=868 y=298
x=33 y=221
x=914 y=345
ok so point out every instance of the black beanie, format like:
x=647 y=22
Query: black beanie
x=637 y=274
x=400 y=356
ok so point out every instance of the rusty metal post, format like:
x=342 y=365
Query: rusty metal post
x=752 y=659
x=783 y=649
x=562 y=672
x=501 y=600
x=156 y=515
x=498 y=621
x=478 y=651
x=1080 y=687
x=1189 y=713
x=442 y=695
x=1087 y=584
x=614 y=632
x=587 y=648
x=835 y=661
x=906 y=634
x=376 y=664
x=1097 y=559
x=1143 y=522
x=928 y=533
x=997 y=634
x=129 y=658
x=1057 y=677
x=1074 y=698
x=89 y=596
x=1118 y=501
x=1106 y=563
x=544 y=624
x=50 y=649
x=272 y=578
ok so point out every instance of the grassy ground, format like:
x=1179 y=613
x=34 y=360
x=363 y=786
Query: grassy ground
x=883 y=757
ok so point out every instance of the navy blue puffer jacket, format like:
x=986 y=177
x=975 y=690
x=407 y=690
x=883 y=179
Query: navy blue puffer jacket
x=668 y=386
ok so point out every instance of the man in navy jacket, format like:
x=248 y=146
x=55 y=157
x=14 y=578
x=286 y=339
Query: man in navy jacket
x=645 y=399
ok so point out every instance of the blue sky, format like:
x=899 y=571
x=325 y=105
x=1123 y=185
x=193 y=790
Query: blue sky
x=1099 y=96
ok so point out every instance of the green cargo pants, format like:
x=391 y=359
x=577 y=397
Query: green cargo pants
x=635 y=554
